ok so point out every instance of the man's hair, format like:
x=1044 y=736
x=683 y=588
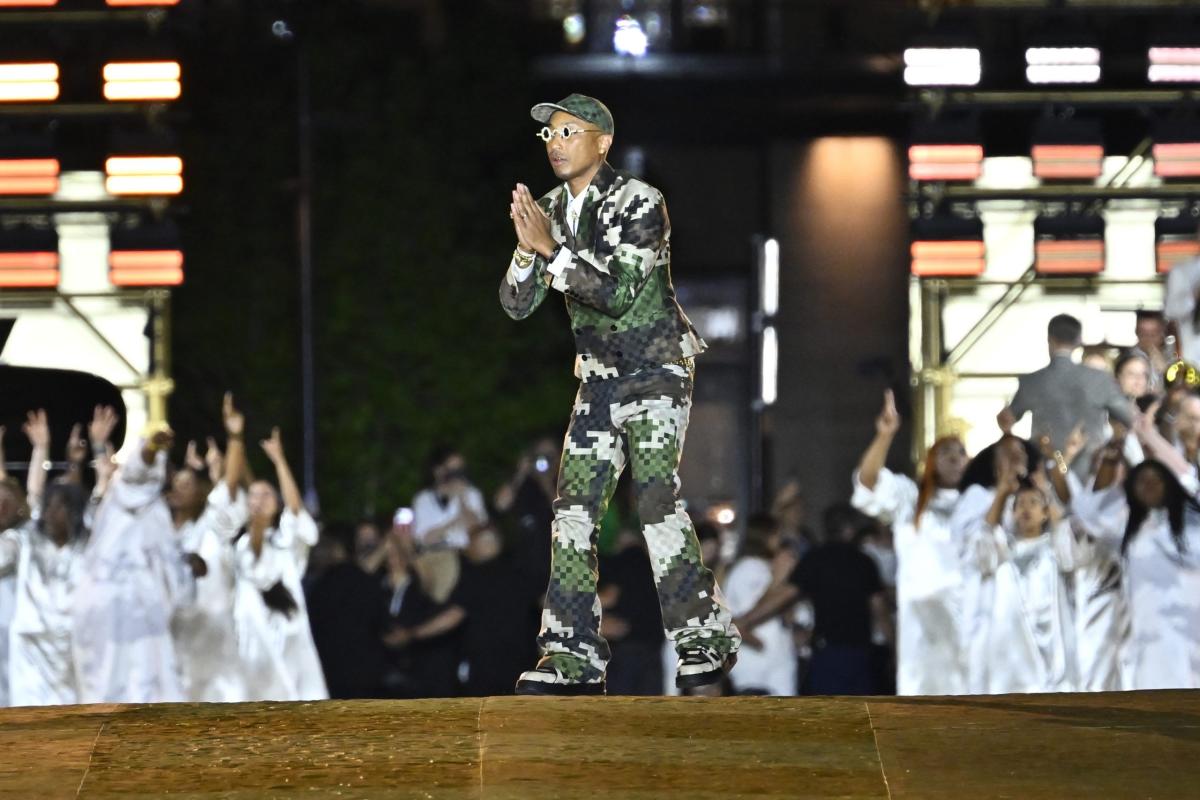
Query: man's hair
x=1144 y=314
x=1066 y=329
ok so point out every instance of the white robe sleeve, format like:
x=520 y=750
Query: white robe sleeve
x=138 y=484
x=893 y=500
x=1102 y=514
x=225 y=515
x=10 y=553
x=297 y=534
x=1179 y=302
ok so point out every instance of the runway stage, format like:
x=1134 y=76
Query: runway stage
x=1039 y=746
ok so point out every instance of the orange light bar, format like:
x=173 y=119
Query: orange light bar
x=28 y=270
x=945 y=162
x=141 y=80
x=1169 y=252
x=145 y=267
x=144 y=175
x=1068 y=160
x=27 y=3
x=28 y=176
x=1172 y=160
x=1069 y=256
x=28 y=82
x=948 y=258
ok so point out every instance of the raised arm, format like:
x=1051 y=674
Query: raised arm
x=886 y=426
x=1156 y=446
x=273 y=447
x=104 y=422
x=608 y=284
x=37 y=428
x=3 y=468
x=235 y=456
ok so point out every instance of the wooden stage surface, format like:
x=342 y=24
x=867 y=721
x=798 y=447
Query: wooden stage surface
x=1033 y=746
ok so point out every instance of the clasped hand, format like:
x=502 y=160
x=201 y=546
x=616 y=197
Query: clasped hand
x=531 y=224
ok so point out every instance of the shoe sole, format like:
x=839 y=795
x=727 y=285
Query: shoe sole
x=698 y=679
x=560 y=689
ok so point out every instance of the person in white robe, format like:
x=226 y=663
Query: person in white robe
x=42 y=558
x=771 y=669
x=14 y=512
x=275 y=646
x=206 y=519
x=967 y=524
x=1029 y=628
x=135 y=578
x=1153 y=518
x=929 y=584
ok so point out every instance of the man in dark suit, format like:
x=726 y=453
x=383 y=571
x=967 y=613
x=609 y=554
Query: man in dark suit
x=1064 y=395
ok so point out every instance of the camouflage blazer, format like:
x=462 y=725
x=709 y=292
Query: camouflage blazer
x=617 y=284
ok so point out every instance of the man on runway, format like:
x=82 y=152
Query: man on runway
x=602 y=239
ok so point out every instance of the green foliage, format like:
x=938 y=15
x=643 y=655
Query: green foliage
x=415 y=155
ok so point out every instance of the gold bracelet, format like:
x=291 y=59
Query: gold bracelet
x=523 y=259
x=1061 y=461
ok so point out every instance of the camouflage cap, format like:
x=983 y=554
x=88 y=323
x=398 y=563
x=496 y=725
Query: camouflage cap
x=580 y=105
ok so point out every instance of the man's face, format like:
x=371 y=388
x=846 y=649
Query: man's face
x=1150 y=334
x=570 y=158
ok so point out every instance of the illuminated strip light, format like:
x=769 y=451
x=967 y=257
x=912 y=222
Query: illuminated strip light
x=27 y=3
x=769 y=391
x=28 y=82
x=28 y=176
x=770 y=277
x=948 y=258
x=1062 y=65
x=945 y=162
x=1176 y=159
x=1171 y=251
x=28 y=270
x=942 y=66
x=1068 y=160
x=145 y=267
x=144 y=175
x=1069 y=256
x=1174 y=65
x=144 y=80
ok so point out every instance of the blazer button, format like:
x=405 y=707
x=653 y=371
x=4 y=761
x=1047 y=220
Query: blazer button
x=612 y=327
x=579 y=331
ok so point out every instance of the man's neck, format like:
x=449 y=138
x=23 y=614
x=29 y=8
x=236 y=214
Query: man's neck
x=578 y=185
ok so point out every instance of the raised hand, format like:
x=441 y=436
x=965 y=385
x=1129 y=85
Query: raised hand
x=273 y=446
x=235 y=421
x=531 y=223
x=1075 y=444
x=214 y=459
x=104 y=422
x=192 y=458
x=162 y=439
x=888 y=421
x=37 y=429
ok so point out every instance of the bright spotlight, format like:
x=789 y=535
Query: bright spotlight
x=629 y=39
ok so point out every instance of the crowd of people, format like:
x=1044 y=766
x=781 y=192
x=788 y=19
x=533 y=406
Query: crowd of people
x=1066 y=562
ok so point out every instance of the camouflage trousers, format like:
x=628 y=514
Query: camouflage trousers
x=639 y=418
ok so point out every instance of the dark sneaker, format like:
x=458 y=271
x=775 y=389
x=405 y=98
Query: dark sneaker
x=702 y=666
x=561 y=674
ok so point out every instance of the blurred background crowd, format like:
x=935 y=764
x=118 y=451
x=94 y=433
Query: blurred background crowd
x=1065 y=562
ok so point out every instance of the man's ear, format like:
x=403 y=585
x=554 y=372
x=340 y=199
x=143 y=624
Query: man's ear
x=606 y=141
